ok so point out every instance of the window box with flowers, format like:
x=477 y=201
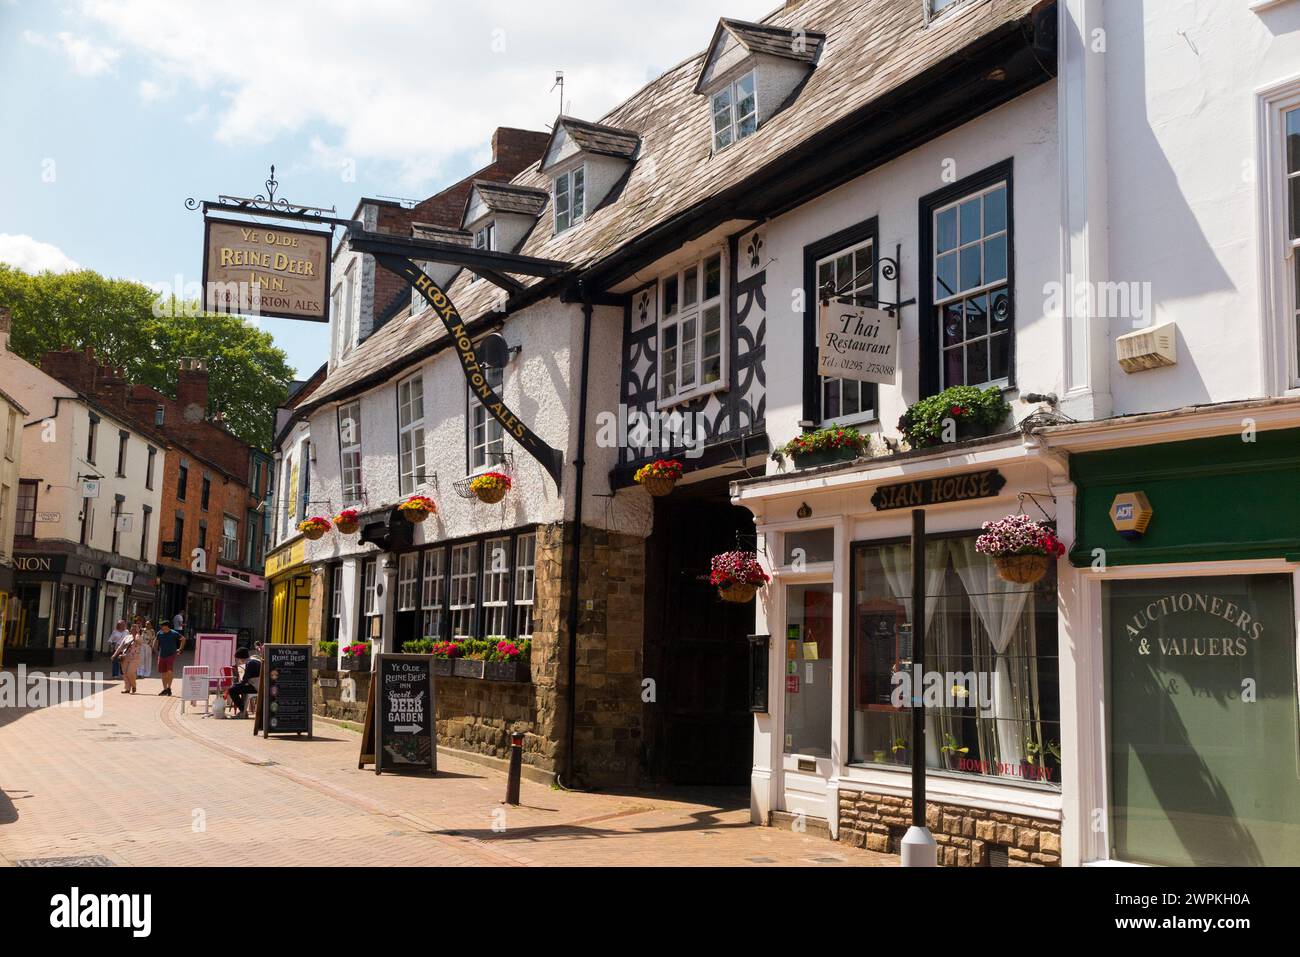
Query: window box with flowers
x=417 y=508
x=659 y=477
x=490 y=487
x=315 y=527
x=1022 y=549
x=347 y=521
x=509 y=661
x=737 y=575
x=356 y=657
x=326 y=657
x=957 y=413
x=444 y=654
x=836 y=443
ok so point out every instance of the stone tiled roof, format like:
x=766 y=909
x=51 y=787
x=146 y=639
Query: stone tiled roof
x=511 y=198
x=872 y=48
x=442 y=234
x=599 y=138
x=792 y=44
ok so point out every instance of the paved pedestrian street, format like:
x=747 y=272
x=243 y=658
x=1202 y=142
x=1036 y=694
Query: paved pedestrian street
x=144 y=784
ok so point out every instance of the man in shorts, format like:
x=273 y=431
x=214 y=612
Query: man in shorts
x=170 y=643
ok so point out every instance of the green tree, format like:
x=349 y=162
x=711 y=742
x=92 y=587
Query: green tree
x=126 y=325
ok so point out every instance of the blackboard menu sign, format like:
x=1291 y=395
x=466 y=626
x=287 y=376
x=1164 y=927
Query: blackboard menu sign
x=402 y=709
x=284 y=702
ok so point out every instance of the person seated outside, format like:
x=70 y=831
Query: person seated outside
x=247 y=683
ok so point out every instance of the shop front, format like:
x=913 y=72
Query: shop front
x=834 y=743
x=289 y=579
x=55 y=609
x=1189 y=560
x=240 y=603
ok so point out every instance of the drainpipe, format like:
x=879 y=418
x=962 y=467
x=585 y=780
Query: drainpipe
x=575 y=560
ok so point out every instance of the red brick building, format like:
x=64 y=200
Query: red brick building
x=214 y=485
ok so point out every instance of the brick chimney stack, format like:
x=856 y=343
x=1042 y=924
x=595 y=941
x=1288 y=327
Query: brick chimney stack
x=517 y=148
x=192 y=389
x=74 y=368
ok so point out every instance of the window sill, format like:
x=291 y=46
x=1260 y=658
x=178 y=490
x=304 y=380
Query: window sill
x=860 y=418
x=688 y=397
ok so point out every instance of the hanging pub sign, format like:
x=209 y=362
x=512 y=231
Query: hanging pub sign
x=939 y=491
x=857 y=342
x=252 y=269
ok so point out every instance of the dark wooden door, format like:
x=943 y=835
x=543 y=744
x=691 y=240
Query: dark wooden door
x=699 y=730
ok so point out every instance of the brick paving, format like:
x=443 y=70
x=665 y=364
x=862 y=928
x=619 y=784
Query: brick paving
x=143 y=784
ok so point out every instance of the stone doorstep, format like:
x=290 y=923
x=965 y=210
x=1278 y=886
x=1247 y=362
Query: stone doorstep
x=785 y=821
x=531 y=772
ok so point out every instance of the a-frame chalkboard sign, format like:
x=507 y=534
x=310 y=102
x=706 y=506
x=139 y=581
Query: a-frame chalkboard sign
x=284 y=693
x=399 y=731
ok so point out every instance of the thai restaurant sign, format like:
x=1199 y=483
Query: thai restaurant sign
x=857 y=342
x=266 y=270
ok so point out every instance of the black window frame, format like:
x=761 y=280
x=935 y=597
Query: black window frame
x=205 y=492
x=929 y=347
x=842 y=239
x=123 y=439
x=91 y=437
x=118 y=502
x=182 y=481
x=146 y=516
x=19 y=523
x=148 y=470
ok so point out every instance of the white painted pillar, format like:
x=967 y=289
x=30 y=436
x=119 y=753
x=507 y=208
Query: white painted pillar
x=762 y=778
x=1081 y=105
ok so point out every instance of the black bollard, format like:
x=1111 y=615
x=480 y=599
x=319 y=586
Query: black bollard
x=516 y=767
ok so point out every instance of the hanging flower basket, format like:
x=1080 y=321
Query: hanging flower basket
x=490 y=487
x=417 y=508
x=659 y=477
x=315 y=527
x=1022 y=550
x=737 y=576
x=347 y=522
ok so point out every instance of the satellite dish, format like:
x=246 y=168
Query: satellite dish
x=494 y=351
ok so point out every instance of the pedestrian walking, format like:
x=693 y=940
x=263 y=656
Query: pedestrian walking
x=115 y=638
x=127 y=655
x=170 y=644
x=148 y=647
x=178 y=623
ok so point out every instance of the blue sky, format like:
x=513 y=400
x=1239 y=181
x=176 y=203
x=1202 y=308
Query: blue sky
x=115 y=111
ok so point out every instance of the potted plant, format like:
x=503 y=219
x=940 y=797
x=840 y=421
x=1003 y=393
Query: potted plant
x=417 y=508
x=737 y=576
x=836 y=443
x=417 y=646
x=953 y=752
x=972 y=412
x=659 y=477
x=472 y=659
x=347 y=521
x=1022 y=549
x=1052 y=750
x=509 y=661
x=901 y=752
x=326 y=657
x=445 y=654
x=313 y=528
x=1031 y=763
x=490 y=487
x=356 y=657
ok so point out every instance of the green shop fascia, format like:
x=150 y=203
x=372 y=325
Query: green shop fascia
x=1201 y=730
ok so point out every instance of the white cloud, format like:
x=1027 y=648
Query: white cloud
x=31 y=255
x=412 y=86
x=87 y=58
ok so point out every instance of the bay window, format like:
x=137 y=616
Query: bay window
x=570 y=198
x=496 y=587
x=408 y=581
x=410 y=433
x=431 y=593
x=735 y=111
x=848 y=273
x=464 y=590
x=372 y=608
x=692 y=334
x=991 y=653
x=525 y=583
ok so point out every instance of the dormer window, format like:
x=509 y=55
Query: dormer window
x=744 y=57
x=735 y=111
x=570 y=197
x=485 y=237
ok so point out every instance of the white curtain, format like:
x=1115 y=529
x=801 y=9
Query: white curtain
x=999 y=606
x=896 y=560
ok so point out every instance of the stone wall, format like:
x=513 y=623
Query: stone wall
x=967 y=837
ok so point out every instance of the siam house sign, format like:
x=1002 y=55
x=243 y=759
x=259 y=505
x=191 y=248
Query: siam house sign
x=940 y=490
